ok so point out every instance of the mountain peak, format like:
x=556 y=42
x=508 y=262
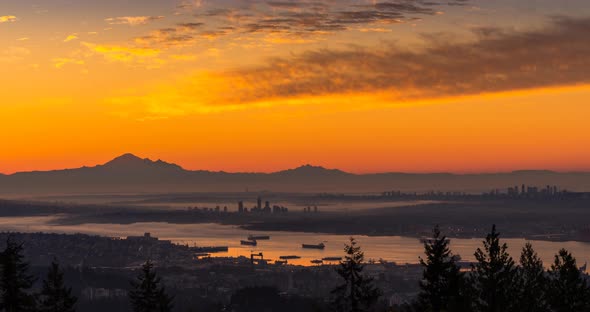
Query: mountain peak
x=311 y=170
x=310 y=167
x=132 y=162
x=126 y=159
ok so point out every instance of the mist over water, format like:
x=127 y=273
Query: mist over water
x=390 y=248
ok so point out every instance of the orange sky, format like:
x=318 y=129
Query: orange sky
x=218 y=93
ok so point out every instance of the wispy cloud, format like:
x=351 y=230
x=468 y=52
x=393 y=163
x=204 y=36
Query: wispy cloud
x=63 y=61
x=71 y=37
x=132 y=20
x=289 y=21
x=188 y=6
x=8 y=18
x=181 y=35
x=131 y=55
x=311 y=17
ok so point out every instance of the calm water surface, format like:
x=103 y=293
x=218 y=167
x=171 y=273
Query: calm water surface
x=391 y=248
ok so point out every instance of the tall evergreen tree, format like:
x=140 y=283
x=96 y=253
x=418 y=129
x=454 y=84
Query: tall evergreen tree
x=492 y=276
x=147 y=295
x=569 y=290
x=442 y=280
x=55 y=296
x=15 y=281
x=358 y=292
x=531 y=282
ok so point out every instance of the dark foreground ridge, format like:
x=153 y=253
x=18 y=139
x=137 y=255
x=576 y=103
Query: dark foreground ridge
x=151 y=275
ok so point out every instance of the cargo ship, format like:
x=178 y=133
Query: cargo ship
x=258 y=237
x=289 y=257
x=312 y=246
x=329 y=259
x=249 y=242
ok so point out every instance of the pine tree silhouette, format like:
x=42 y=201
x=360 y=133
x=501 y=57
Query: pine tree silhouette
x=147 y=295
x=568 y=290
x=442 y=279
x=15 y=281
x=358 y=292
x=493 y=276
x=531 y=282
x=55 y=296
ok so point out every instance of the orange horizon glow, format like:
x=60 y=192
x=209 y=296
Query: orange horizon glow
x=506 y=131
x=466 y=88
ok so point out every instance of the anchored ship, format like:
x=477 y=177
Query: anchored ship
x=258 y=237
x=249 y=242
x=312 y=246
x=289 y=257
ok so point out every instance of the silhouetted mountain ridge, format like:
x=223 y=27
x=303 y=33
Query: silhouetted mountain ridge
x=312 y=170
x=131 y=162
x=130 y=173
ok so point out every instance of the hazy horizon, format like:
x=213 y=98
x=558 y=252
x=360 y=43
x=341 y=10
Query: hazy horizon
x=300 y=166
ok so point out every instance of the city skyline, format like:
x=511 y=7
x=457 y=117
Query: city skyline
x=459 y=86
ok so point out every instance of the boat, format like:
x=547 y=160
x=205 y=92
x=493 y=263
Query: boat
x=249 y=242
x=201 y=255
x=281 y=262
x=317 y=261
x=258 y=237
x=332 y=259
x=312 y=246
x=289 y=257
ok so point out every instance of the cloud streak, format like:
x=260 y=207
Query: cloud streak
x=71 y=37
x=8 y=19
x=147 y=57
x=132 y=20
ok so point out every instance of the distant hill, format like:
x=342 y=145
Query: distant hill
x=129 y=174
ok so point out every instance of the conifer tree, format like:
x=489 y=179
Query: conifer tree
x=532 y=282
x=568 y=290
x=493 y=276
x=147 y=295
x=15 y=281
x=358 y=292
x=55 y=296
x=442 y=280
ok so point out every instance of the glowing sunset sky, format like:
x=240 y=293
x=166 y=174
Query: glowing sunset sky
x=364 y=86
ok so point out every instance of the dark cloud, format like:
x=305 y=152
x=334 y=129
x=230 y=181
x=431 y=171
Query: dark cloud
x=300 y=17
x=296 y=19
x=184 y=34
x=191 y=25
x=497 y=60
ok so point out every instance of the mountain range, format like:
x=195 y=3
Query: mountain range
x=131 y=174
